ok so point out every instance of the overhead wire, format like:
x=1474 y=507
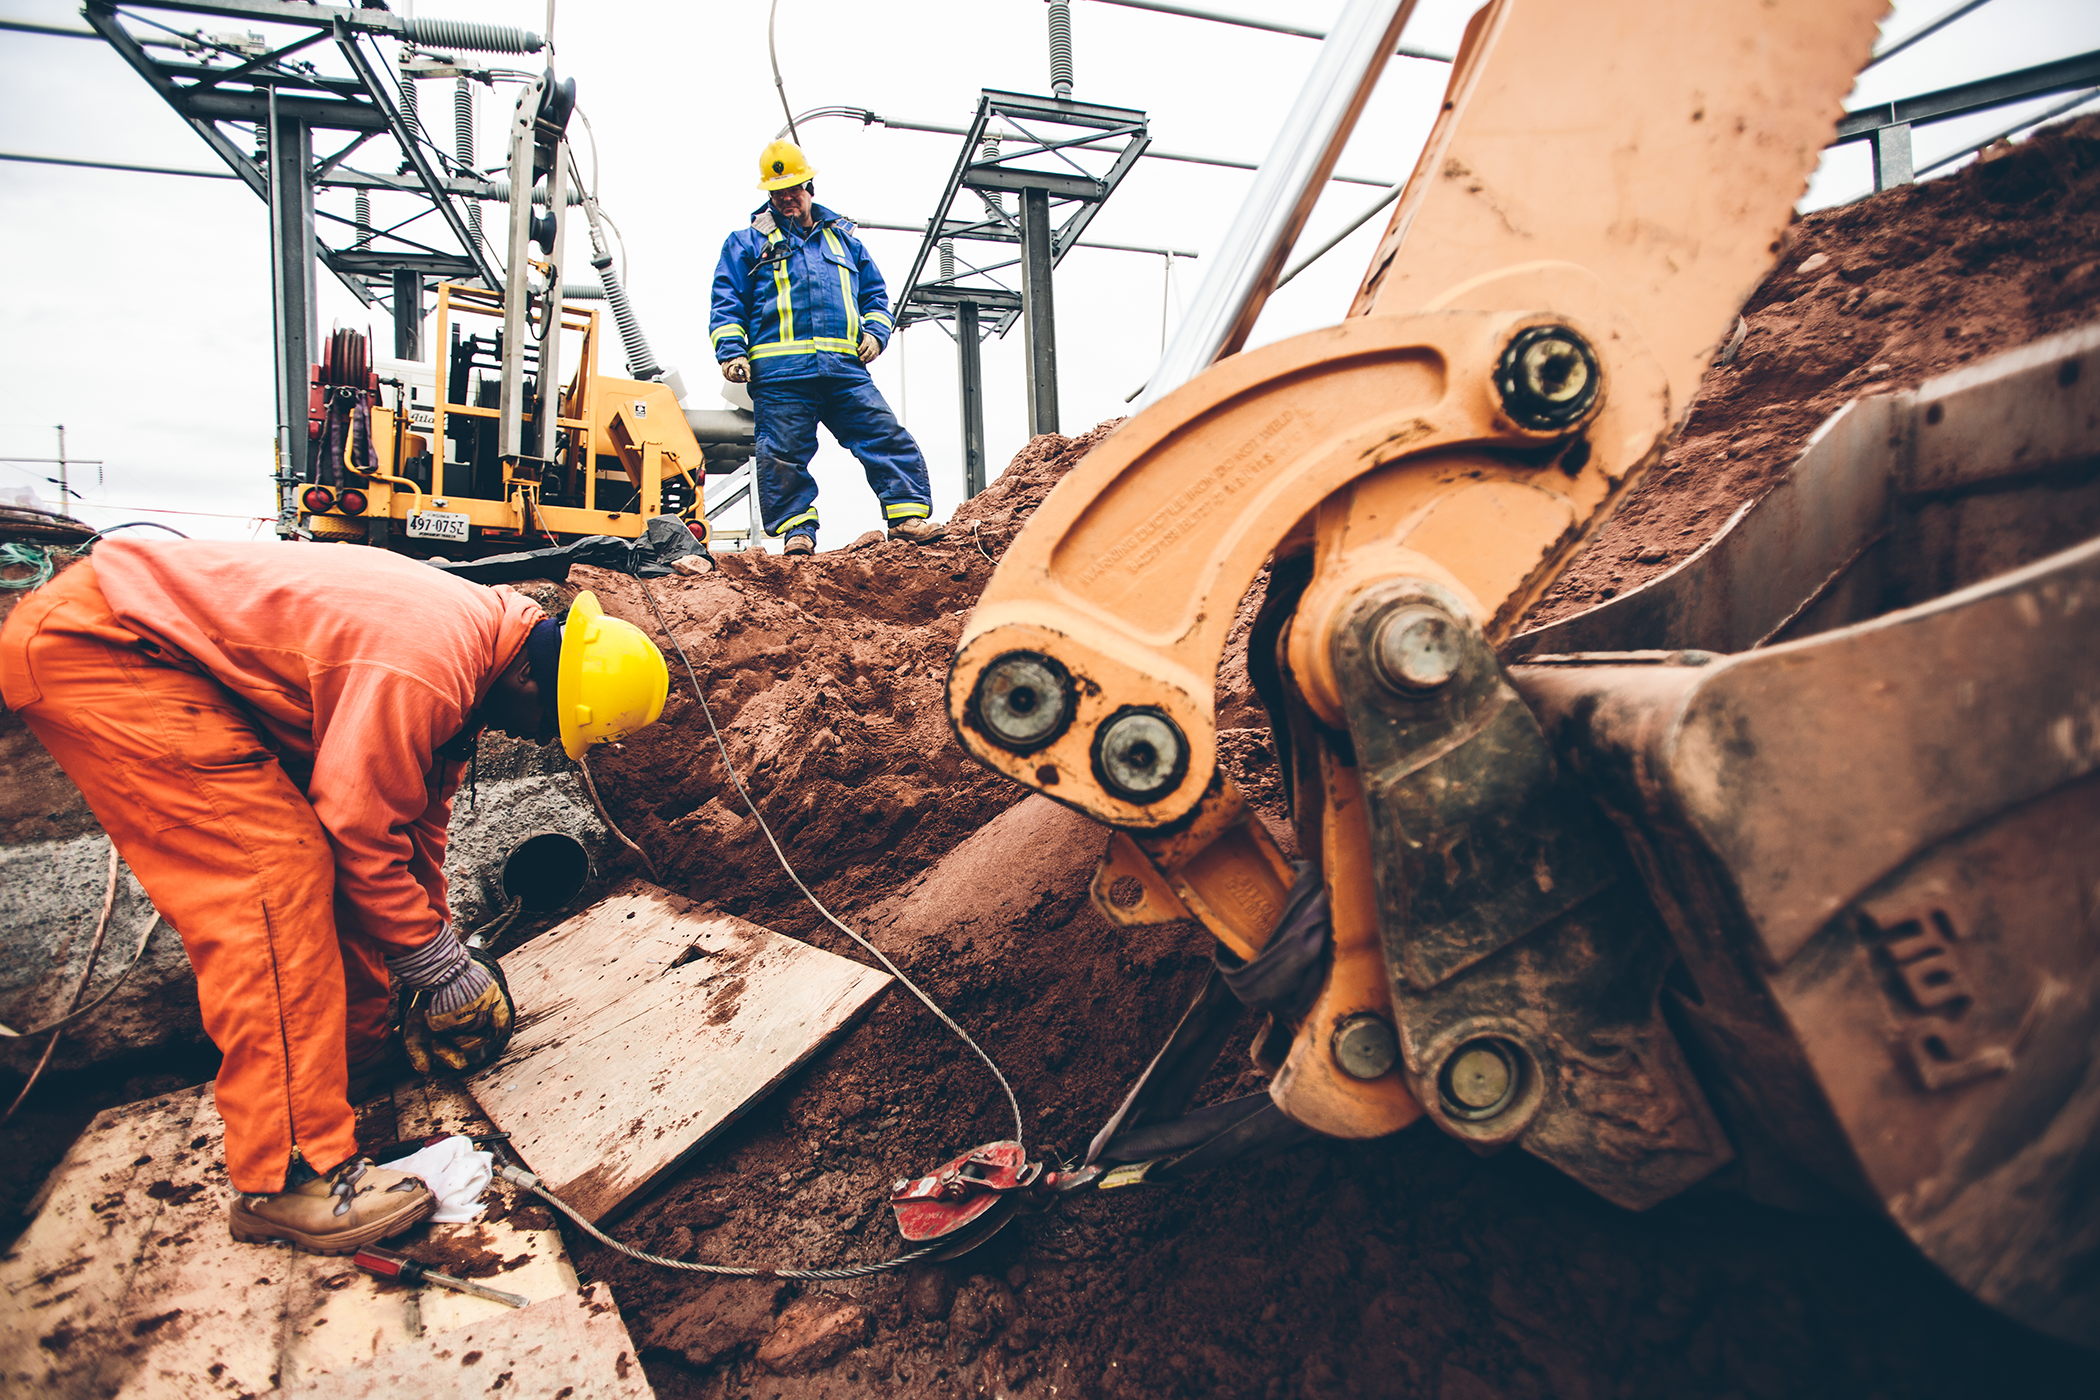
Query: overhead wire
x=1336 y=240
x=2075 y=101
x=779 y=88
x=1925 y=31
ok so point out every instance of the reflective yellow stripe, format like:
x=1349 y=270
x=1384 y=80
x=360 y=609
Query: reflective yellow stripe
x=728 y=330
x=776 y=349
x=883 y=318
x=808 y=517
x=783 y=295
x=831 y=241
x=904 y=511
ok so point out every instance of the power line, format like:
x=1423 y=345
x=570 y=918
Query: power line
x=1297 y=31
x=118 y=165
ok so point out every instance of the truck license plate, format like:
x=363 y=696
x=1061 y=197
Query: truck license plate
x=437 y=525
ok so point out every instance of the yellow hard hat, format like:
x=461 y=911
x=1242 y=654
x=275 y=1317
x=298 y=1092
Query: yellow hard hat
x=612 y=680
x=782 y=164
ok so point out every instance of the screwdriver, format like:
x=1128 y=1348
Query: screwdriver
x=385 y=1263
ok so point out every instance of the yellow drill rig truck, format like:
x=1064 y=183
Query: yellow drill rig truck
x=1784 y=860
x=506 y=453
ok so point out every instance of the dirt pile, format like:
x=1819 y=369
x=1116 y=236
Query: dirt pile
x=827 y=678
x=1870 y=298
x=1402 y=1267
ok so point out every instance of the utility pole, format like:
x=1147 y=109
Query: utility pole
x=61 y=461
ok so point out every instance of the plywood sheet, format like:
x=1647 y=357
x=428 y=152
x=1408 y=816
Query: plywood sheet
x=574 y=1346
x=648 y=1023
x=127 y=1282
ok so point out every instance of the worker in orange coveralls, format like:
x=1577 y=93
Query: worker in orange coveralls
x=271 y=734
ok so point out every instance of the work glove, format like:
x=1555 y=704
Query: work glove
x=869 y=348
x=737 y=371
x=456 y=1011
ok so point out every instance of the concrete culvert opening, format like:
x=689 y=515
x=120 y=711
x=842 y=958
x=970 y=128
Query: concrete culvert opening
x=546 y=871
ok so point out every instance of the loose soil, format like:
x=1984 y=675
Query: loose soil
x=1870 y=298
x=1402 y=1267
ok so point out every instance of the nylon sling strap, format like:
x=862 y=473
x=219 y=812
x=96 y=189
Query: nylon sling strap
x=1154 y=1122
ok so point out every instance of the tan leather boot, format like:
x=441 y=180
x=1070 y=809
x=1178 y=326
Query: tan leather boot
x=917 y=528
x=355 y=1205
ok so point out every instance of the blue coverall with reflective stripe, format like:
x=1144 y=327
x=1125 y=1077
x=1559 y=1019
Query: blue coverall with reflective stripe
x=795 y=303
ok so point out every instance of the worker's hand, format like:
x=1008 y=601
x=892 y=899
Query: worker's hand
x=466 y=1038
x=737 y=371
x=869 y=348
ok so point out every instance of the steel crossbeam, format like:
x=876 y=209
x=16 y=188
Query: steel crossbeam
x=273 y=84
x=1062 y=159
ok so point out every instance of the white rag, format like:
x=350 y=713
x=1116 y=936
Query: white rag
x=455 y=1173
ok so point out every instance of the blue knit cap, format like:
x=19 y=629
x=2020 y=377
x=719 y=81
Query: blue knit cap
x=543 y=656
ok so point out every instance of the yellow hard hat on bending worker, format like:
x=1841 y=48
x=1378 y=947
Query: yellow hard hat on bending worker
x=611 y=681
x=781 y=165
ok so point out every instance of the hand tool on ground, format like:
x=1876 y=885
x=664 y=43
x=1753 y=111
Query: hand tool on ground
x=387 y=1263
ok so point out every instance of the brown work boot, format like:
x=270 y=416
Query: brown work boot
x=917 y=528
x=355 y=1205
x=799 y=545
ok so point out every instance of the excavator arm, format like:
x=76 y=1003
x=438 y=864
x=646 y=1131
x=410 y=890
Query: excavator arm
x=1824 y=793
x=1603 y=188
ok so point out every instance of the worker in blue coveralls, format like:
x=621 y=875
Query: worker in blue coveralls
x=799 y=312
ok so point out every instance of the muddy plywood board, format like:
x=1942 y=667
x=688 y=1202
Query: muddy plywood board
x=646 y=1024
x=127 y=1282
x=574 y=1346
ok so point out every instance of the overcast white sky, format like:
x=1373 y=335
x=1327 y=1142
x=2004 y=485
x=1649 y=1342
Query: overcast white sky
x=139 y=308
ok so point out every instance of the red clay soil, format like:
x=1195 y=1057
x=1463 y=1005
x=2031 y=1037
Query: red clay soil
x=1870 y=298
x=1405 y=1267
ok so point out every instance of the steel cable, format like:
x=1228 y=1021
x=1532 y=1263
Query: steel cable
x=518 y=1176
x=815 y=903
x=109 y=902
x=610 y=825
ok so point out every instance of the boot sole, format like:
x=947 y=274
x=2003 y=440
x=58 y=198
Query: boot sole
x=248 y=1228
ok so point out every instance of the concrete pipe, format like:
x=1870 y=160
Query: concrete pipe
x=545 y=871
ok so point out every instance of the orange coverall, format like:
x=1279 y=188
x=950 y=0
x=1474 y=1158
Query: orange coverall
x=256 y=726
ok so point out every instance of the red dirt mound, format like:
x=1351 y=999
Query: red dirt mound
x=1869 y=298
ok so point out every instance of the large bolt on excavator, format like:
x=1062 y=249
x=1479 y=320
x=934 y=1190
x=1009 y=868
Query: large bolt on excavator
x=1780 y=861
